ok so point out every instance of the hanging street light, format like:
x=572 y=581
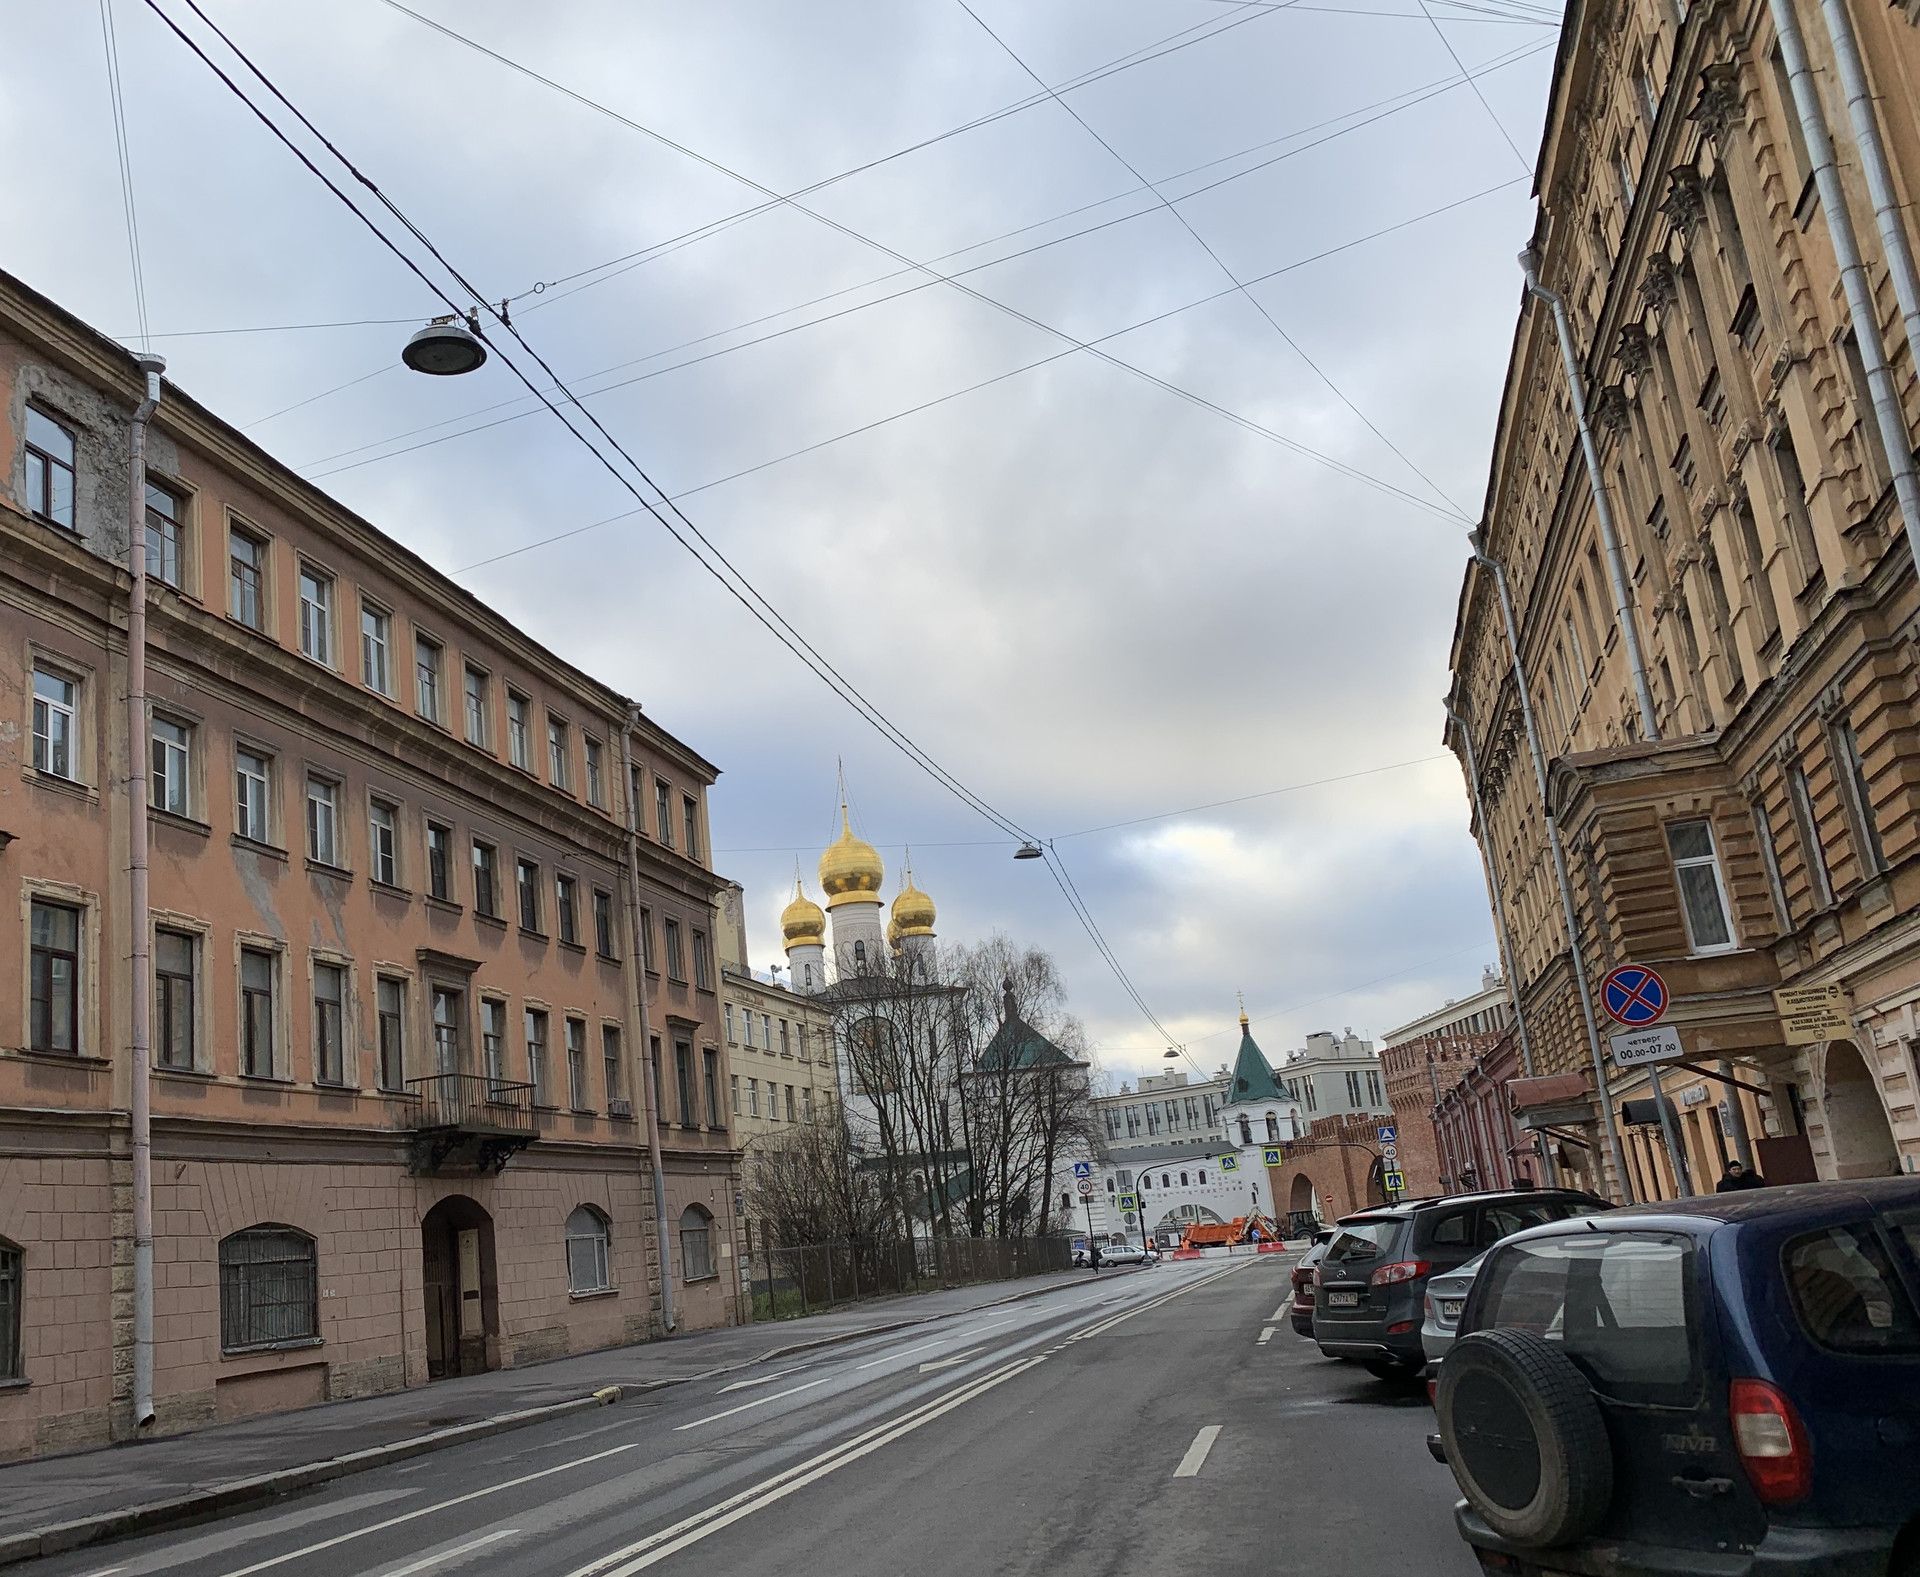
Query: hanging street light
x=445 y=348
x=1027 y=851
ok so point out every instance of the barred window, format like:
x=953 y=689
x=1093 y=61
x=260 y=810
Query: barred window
x=269 y=1279
x=587 y=1251
x=10 y=1300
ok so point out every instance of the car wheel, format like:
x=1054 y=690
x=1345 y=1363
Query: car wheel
x=1524 y=1437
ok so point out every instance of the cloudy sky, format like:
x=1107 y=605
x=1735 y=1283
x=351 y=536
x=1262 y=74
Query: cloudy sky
x=1094 y=589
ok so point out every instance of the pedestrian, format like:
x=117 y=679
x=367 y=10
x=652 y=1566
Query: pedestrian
x=1738 y=1176
x=1093 y=1257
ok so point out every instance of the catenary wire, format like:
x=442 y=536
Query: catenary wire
x=111 y=45
x=1453 y=54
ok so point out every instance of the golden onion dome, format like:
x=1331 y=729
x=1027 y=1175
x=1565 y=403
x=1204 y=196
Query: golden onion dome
x=913 y=910
x=803 y=922
x=851 y=870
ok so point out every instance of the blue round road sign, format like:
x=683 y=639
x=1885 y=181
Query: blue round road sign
x=1635 y=995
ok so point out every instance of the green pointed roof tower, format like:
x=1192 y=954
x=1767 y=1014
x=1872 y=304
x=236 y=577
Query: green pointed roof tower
x=1252 y=1075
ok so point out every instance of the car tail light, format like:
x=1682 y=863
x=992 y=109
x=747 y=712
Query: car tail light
x=1772 y=1442
x=1400 y=1270
x=1399 y=1327
x=1428 y=1312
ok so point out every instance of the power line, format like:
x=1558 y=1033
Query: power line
x=1453 y=54
x=112 y=46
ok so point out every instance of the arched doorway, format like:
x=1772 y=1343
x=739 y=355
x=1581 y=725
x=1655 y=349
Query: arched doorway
x=461 y=1287
x=1857 y=1126
x=1300 y=1196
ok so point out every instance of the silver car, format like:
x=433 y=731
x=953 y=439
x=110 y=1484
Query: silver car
x=1446 y=1297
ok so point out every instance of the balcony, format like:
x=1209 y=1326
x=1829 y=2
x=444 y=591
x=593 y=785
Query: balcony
x=467 y=1125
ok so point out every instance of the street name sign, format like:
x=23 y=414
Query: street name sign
x=1634 y=1048
x=1635 y=996
x=1809 y=1014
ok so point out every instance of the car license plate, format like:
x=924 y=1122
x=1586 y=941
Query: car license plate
x=1343 y=1300
x=1450 y=1308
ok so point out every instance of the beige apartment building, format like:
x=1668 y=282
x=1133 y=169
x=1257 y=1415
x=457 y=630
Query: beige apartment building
x=399 y=1115
x=1768 y=837
x=779 y=1042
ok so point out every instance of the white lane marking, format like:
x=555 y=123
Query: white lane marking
x=1154 y=1303
x=427 y=1511
x=759 y=1401
x=1196 y=1456
x=765 y=1379
x=656 y=1547
x=193 y=1553
x=106 y=1571
x=1278 y=1314
x=938 y=1341
x=948 y=1363
x=1266 y=1335
x=441 y=1557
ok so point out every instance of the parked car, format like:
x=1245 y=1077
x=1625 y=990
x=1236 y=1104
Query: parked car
x=1728 y=1384
x=1372 y=1282
x=1446 y=1298
x=1300 y=1312
x=1122 y=1254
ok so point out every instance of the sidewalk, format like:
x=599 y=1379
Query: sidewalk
x=54 y=1503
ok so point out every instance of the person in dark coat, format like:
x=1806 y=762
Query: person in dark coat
x=1738 y=1176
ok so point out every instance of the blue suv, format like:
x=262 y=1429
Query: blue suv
x=1722 y=1387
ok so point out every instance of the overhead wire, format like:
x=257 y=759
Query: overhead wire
x=1453 y=54
x=111 y=44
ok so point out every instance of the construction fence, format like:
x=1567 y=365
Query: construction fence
x=784 y=1282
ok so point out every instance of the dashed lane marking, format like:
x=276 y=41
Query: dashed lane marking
x=1196 y=1456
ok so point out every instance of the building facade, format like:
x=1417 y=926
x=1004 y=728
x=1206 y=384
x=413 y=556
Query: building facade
x=1334 y=1076
x=407 y=1042
x=1421 y=1062
x=779 y=1042
x=1768 y=837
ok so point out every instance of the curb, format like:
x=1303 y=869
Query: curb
x=240 y=1494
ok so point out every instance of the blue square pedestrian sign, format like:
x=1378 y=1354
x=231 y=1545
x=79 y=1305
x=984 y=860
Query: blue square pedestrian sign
x=1272 y=1155
x=1389 y=1134
x=1229 y=1163
x=1083 y=1168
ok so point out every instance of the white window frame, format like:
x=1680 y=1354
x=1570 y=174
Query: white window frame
x=382 y=980
x=494 y=1034
x=316 y=615
x=383 y=862
x=1711 y=860
x=575 y=1036
x=476 y=712
x=260 y=547
x=596 y=772
x=376 y=647
x=519 y=730
x=171 y=765
x=243 y=780
x=277 y=1028
x=331 y=802
x=343 y=972
x=596 y=1249
x=47 y=708
x=559 y=753
x=430 y=678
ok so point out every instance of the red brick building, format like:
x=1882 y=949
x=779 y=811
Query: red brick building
x=1423 y=1062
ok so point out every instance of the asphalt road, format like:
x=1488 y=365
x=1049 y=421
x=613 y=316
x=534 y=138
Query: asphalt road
x=1138 y=1424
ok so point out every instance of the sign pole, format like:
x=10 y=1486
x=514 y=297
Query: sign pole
x=1093 y=1260
x=1670 y=1130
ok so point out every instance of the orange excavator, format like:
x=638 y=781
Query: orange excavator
x=1224 y=1234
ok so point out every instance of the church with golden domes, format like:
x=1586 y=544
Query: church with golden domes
x=851 y=875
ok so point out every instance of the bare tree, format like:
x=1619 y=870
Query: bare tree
x=807 y=1186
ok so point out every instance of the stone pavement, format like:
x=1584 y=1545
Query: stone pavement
x=230 y=1464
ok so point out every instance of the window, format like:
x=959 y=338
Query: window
x=703 y=968
x=478 y=733
x=696 y=1244
x=646 y=940
x=49 y=469
x=173 y=1019
x=1819 y=879
x=1703 y=896
x=440 y=861
x=1623 y=173
x=1770 y=858
x=54 y=968
x=1353 y=1089
x=536 y=1031
x=329 y=1016
x=596 y=774
x=806 y=1103
x=577 y=1065
x=766 y=1031
x=690 y=821
x=785 y=1048
x=1649 y=97
x=559 y=757
x=383 y=849
x=427 y=655
x=316 y=615
x=610 y=1064
x=486 y=893
x=323 y=821
x=1273 y=1127
x=1683 y=466
x=527 y=879
x=390 y=1008
x=55 y=738
x=683 y=1079
x=172 y=757
x=587 y=1252
x=753 y=1097
x=710 y=1062
x=520 y=731
x=791 y=1116
x=269 y=1284
x=376 y=648
x=493 y=1043
x=565 y=917
x=1246 y=1131
x=1859 y=792
x=165 y=558
x=659 y=1083
x=675 y=969
x=1373 y=1088
x=603 y=923
x=733 y=1086
x=1847 y=1293
x=257 y=993
x=1802 y=165
x=246 y=578
x=252 y=781
x=663 y=811
x=447 y=1017
x=732 y=1039
x=11 y=1298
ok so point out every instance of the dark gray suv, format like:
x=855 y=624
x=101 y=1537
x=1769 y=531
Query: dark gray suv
x=1370 y=1284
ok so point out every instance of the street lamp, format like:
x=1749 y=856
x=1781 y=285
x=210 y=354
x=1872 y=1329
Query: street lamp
x=445 y=348
x=1027 y=851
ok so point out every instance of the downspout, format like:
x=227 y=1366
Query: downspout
x=637 y=1006
x=140 y=991
x=1853 y=273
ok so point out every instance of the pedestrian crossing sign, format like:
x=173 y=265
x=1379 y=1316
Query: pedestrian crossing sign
x=1273 y=1155
x=1229 y=1163
x=1395 y=1182
x=1128 y=1202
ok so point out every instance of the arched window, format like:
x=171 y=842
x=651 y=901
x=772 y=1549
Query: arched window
x=1273 y=1129
x=1246 y=1131
x=269 y=1286
x=12 y=1280
x=589 y=1251
x=1203 y=1178
x=1165 y=1181
x=696 y=1244
x=1183 y=1179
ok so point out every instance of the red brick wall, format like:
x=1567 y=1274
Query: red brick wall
x=1414 y=1070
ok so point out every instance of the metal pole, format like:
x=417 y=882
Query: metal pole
x=1861 y=309
x=1737 y=1118
x=140 y=1104
x=1602 y=1086
x=1465 y=735
x=643 y=1053
x=1602 y=507
x=1093 y=1262
x=1670 y=1131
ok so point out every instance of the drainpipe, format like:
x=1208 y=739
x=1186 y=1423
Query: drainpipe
x=1465 y=736
x=637 y=1006
x=140 y=965
x=1602 y=1086
x=1602 y=507
x=1894 y=437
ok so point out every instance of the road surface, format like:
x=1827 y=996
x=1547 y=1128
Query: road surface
x=1153 y=1421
